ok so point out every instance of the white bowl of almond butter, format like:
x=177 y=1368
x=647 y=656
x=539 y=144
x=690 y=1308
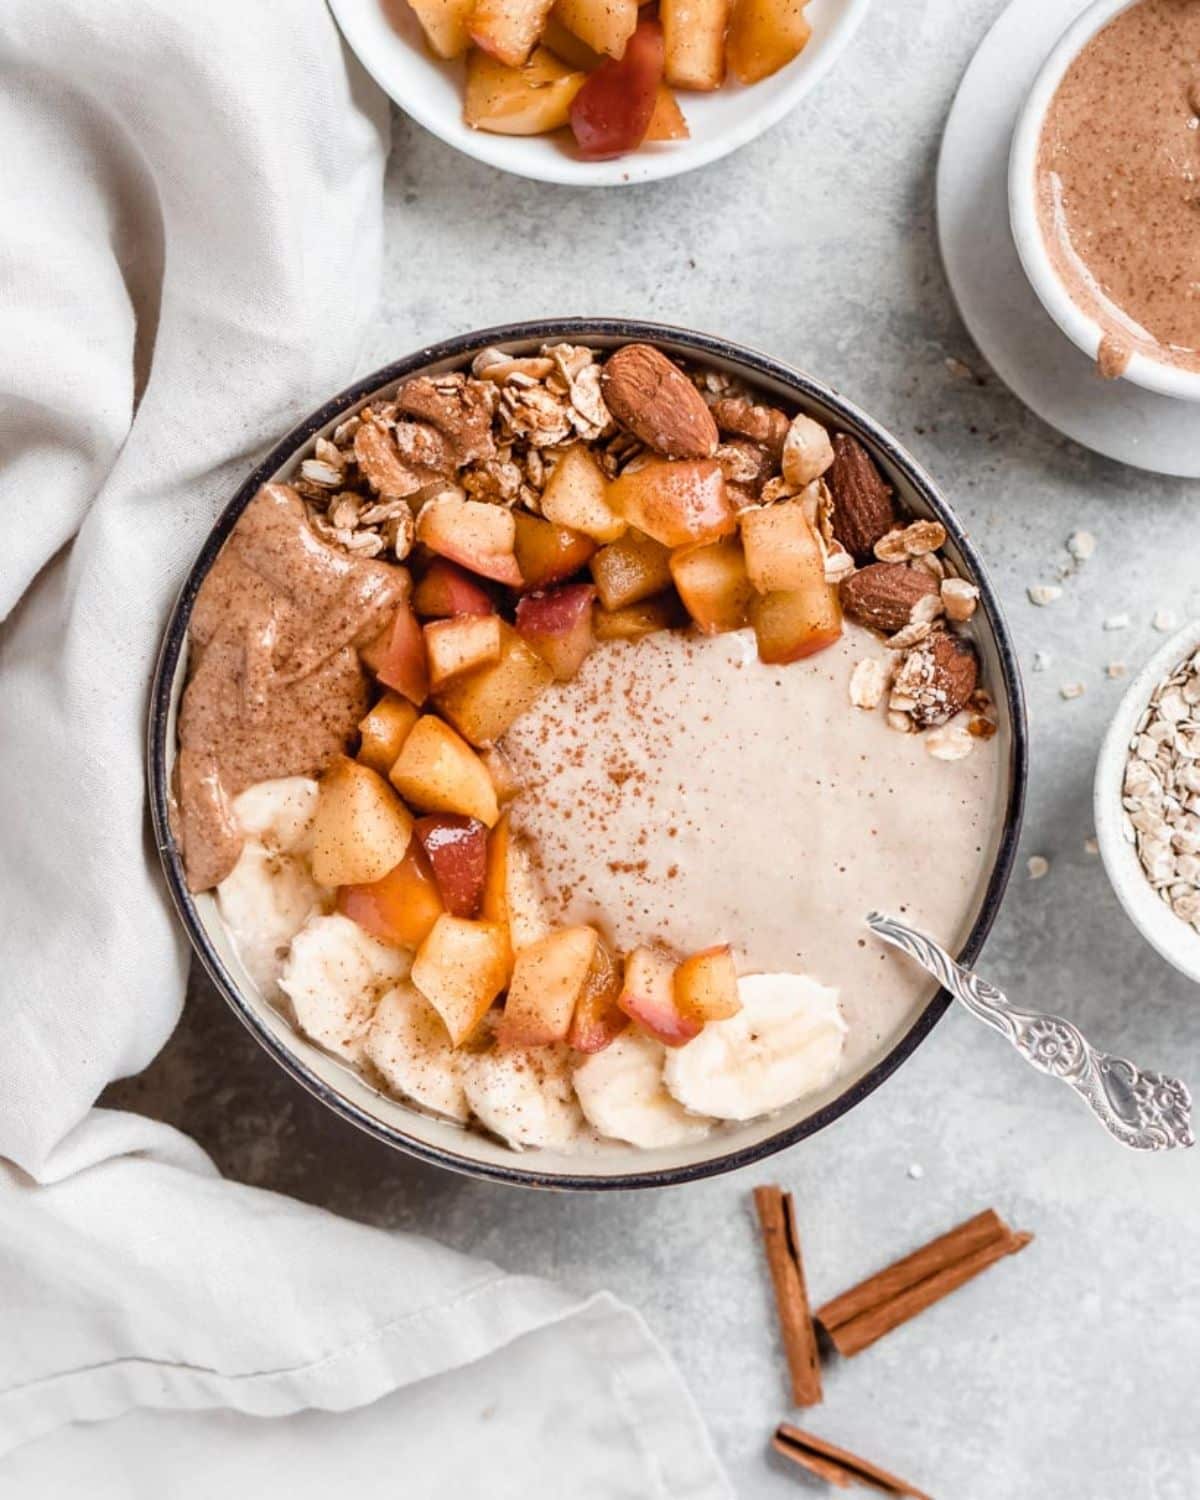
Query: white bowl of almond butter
x=1147 y=801
x=589 y=92
x=538 y=727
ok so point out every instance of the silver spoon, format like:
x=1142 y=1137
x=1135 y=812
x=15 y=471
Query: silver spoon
x=1145 y=1111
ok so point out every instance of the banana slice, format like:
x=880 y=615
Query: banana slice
x=622 y=1094
x=526 y=1098
x=279 y=813
x=264 y=901
x=410 y=1048
x=334 y=975
x=785 y=1042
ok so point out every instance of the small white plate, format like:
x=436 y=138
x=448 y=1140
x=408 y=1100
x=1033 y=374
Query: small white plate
x=1013 y=331
x=1178 y=942
x=387 y=39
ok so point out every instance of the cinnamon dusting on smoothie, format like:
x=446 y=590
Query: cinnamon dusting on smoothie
x=1118 y=184
x=275 y=687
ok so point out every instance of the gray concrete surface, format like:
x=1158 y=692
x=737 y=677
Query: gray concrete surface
x=1068 y=1371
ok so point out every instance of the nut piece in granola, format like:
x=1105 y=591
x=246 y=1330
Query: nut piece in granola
x=883 y=596
x=917 y=539
x=807 y=451
x=658 y=403
x=863 y=507
x=935 y=680
x=960 y=599
x=761 y=424
x=460 y=409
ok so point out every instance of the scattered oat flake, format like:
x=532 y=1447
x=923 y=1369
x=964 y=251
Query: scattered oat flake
x=916 y=1171
x=1071 y=690
x=1037 y=865
x=1081 y=545
x=1041 y=661
x=1044 y=593
x=1117 y=622
x=1165 y=620
x=959 y=370
x=1091 y=846
x=1116 y=669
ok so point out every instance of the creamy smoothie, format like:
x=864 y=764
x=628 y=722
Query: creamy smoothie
x=1118 y=184
x=679 y=790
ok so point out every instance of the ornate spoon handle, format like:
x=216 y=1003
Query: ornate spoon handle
x=1145 y=1111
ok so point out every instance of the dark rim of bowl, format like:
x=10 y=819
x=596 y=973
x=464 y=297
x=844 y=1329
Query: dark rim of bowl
x=696 y=345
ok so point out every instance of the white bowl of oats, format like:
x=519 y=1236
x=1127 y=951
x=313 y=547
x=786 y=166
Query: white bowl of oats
x=1147 y=801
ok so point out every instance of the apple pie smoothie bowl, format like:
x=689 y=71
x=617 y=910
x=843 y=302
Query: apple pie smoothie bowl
x=537 y=730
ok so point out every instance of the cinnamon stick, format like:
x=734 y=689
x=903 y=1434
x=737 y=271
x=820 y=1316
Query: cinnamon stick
x=836 y=1465
x=781 y=1241
x=860 y=1316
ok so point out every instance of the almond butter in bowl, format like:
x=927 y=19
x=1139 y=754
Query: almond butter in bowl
x=551 y=726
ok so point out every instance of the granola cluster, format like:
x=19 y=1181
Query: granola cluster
x=1162 y=791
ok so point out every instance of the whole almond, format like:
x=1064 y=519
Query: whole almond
x=884 y=595
x=656 y=401
x=863 y=508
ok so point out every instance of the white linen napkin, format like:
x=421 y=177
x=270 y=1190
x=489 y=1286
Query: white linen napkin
x=189 y=255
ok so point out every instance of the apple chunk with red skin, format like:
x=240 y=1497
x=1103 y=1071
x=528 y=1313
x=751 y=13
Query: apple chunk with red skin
x=460 y=968
x=445 y=589
x=456 y=847
x=612 y=111
x=547 y=553
x=547 y=980
x=479 y=536
x=460 y=645
x=648 y=997
x=706 y=986
x=400 y=908
x=558 y=626
x=676 y=501
x=598 y=1019
x=361 y=829
x=508 y=29
x=397 y=656
x=713 y=584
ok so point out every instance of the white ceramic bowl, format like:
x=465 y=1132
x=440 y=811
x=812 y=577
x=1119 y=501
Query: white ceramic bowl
x=1079 y=326
x=1178 y=942
x=387 y=40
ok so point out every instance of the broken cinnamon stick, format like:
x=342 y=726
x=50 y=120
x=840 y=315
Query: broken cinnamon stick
x=860 y=1316
x=836 y=1465
x=781 y=1241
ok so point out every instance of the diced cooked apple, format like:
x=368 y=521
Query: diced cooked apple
x=575 y=496
x=694 y=35
x=397 y=656
x=648 y=997
x=504 y=776
x=667 y=122
x=482 y=705
x=547 y=980
x=437 y=771
x=781 y=547
x=571 y=49
x=456 y=848
x=664 y=612
x=402 y=907
x=631 y=569
x=510 y=891
x=361 y=829
x=675 y=501
x=460 y=968
x=460 y=645
x=605 y=25
x=706 y=986
x=764 y=36
x=533 y=98
x=444 y=23
x=793 y=623
x=548 y=553
x=508 y=29
x=611 y=112
x=713 y=584
x=598 y=1018
x=383 y=731
x=471 y=532
x=445 y=589
x=558 y=626
x=494 y=904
